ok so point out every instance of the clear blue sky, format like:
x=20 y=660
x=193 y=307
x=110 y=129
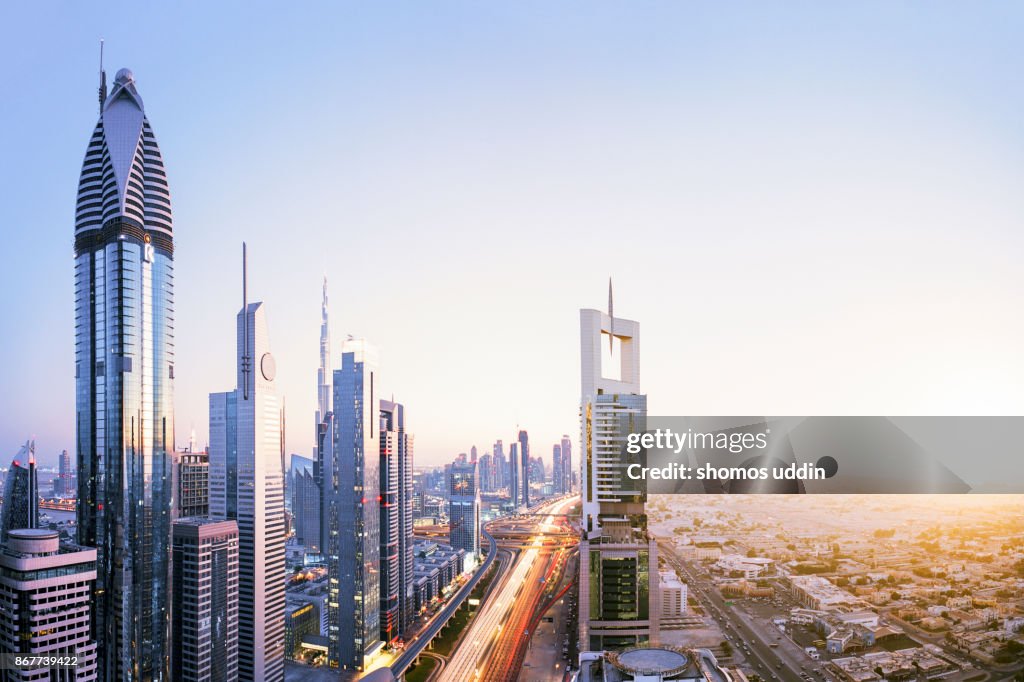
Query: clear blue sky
x=812 y=208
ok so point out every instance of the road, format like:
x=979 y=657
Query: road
x=768 y=662
x=495 y=641
x=420 y=641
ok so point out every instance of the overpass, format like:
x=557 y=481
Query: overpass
x=422 y=640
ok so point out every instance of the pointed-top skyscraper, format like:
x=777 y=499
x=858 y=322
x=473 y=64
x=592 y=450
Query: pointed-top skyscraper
x=323 y=373
x=124 y=377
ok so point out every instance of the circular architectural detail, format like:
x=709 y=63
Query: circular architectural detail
x=650 y=660
x=268 y=366
x=124 y=76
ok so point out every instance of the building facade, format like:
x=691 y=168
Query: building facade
x=619 y=603
x=247 y=486
x=351 y=511
x=515 y=497
x=124 y=378
x=46 y=591
x=205 y=604
x=192 y=471
x=567 y=470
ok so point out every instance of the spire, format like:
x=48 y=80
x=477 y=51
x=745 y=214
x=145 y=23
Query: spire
x=103 y=79
x=245 y=326
x=611 y=315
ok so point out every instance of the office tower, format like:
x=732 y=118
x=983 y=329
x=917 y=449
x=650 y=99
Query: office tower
x=524 y=456
x=21 y=493
x=205 y=613
x=192 y=473
x=500 y=466
x=47 y=587
x=124 y=378
x=618 y=558
x=557 y=474
x=247 y=486
x=513 y=475
x=567 y=470
x=351 y=511
x=396 y=517
x=464 y=506
x=538 y=474
x=323 y=376
x=64 y=484
x=305 y=496
x=486 y=465
x=472 y=453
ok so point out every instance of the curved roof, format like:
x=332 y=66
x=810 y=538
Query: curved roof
x=123 y=171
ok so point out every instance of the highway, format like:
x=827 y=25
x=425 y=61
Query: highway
x=420 y=641
x=498 y=633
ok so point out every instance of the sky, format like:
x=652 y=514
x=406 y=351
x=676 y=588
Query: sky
x=811 y=208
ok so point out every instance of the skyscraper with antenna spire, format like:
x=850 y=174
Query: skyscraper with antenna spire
x=124 y=378
x=247 y=485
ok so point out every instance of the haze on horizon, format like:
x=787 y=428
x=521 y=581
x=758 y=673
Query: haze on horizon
x=809 y=209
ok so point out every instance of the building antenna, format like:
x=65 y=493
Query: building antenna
x=103 y=79
x=611 y=316
x=245 y=326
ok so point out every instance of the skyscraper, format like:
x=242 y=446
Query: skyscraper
x=323 y=373
x=21 y=493
x=205 y=611
x=557 y=474
x=464 y=506
x=124 y=377
x=305 y=496
x=618 y=557
x=45 y=603
x=396 y=492
x=64 y=484
x=351 y=511
x=500 y=466
x=247 y=485
x=567 y=470
x=524 y=455
x=486 y=473
x=513 y=475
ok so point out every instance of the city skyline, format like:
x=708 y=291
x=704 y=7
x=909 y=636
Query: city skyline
x=651 y=136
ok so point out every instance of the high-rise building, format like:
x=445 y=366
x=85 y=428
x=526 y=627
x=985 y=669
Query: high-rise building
x=45 y=602
x=513 y=475
x=486 y=466
x=64 y=484
x=305 y=496
x=247 y=485
x=192 y=473
x=567 y=470
x=124 y=377
x=524 y=456
x=464 y=508
x=500 y=466
x=397 y=607
x=21 y=492
x=557 y=473
x=323 y=373
x=618 y=584
x=351 y=511
x=205 y=611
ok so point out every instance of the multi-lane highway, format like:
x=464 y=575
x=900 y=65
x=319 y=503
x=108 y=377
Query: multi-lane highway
x=493 y=645
x=420 y=641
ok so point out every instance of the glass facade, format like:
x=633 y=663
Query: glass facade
x=124 y=369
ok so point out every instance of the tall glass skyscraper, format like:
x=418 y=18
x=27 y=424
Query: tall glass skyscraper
x=524 y=455
x=21 y=493
x=351 y=511
x=396 y=491
x=124 y=376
